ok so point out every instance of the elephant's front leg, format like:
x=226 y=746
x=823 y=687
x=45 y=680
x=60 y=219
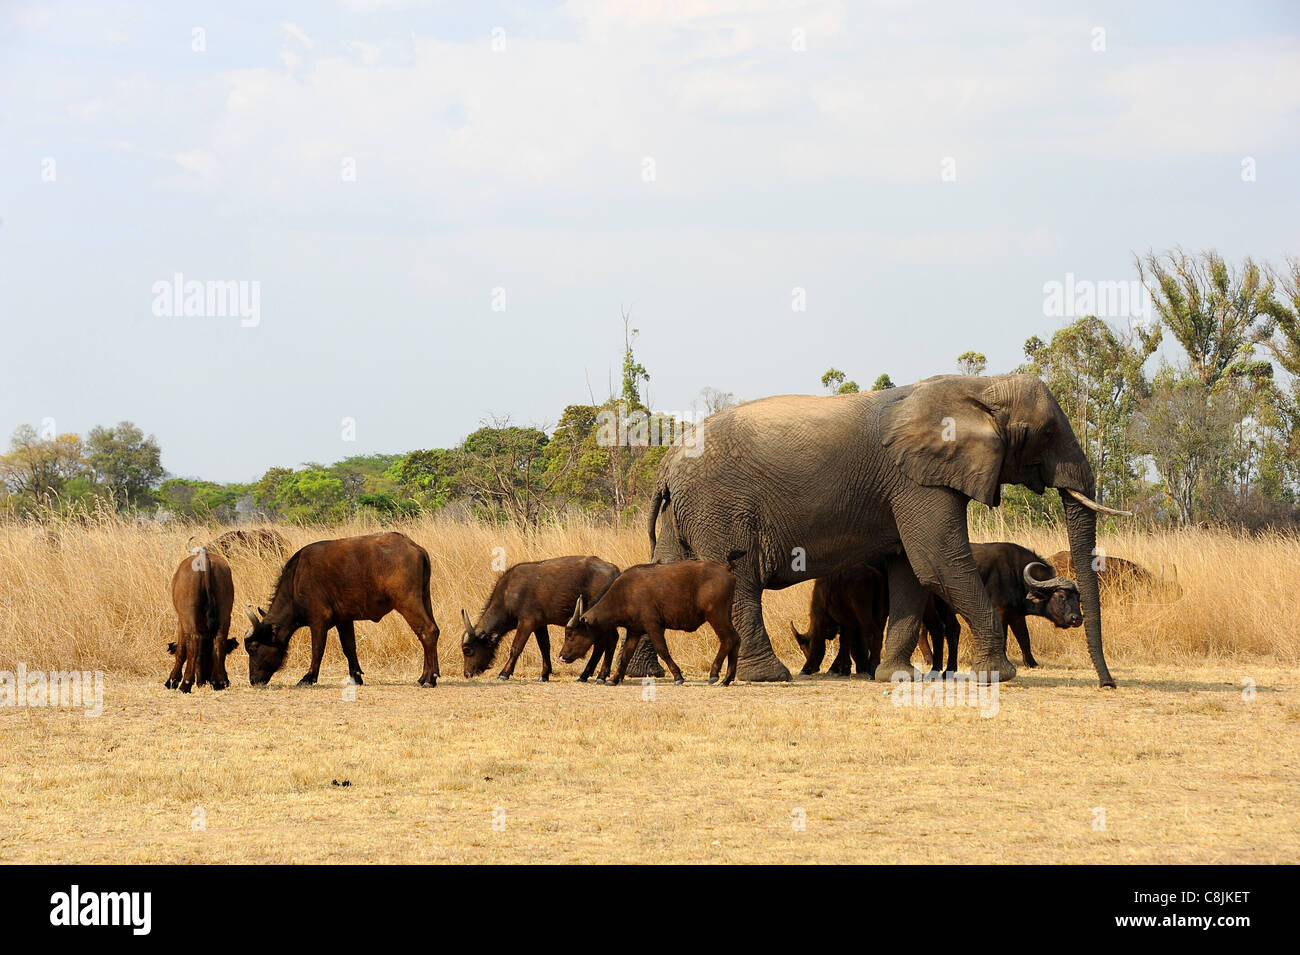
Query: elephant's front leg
x=757 y=663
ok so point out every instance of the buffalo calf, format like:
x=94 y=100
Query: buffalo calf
x=203 y=593
x=651 y=598
x=527 y=598
x=335 y=583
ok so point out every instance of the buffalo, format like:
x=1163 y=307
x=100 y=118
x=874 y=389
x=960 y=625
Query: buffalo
x=203 y=593
x=261 y=540
x=650 y=598
x=334 y=583
x=855 y=604
x=527 y=598
x=1117 y=575
x=1020 y=584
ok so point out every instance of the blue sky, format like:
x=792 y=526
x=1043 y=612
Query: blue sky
x=522 y=169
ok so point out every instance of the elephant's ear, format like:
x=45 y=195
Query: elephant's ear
x=945 y=432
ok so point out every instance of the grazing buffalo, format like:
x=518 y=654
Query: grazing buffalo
x=203 y=593
x=652 y=598
x=260 y=540
x=334 y=583
x=854 y=605
x=1117 y=575
x=1020 y=584
x=527 y=598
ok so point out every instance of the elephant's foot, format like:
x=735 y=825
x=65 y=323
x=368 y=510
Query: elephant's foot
x=762 y=668
x=644 y=662
x=892 y=671
x=993 y=669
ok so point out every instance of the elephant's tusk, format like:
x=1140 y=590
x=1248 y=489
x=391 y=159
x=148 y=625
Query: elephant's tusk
x=1093 y=505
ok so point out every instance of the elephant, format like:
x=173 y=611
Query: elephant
x=810 y=485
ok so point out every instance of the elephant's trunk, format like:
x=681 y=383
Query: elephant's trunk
x=1081 y=525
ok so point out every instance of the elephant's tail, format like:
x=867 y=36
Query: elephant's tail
x=656 y=504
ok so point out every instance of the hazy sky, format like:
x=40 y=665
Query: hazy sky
x=695 y=162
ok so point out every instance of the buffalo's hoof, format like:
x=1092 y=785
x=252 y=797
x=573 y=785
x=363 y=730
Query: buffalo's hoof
x=504 y=676
x=582 y=679
x=612 y=681
x=220 y=684
x=308 y=680
x=1031 y=663
x=679 y=681
x=356 y=678
x=808 y=670
x=544 y=678
x=171 y=684
x=431 y=681
x=186 y=687
x=713 y=679
x=602 y=680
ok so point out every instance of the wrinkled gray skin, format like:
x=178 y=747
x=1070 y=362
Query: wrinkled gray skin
x=883 y=475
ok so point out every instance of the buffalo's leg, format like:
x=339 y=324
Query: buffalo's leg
x=419 y=618
x=816 y=653
x=522 y=633
x=728 y=646
x=348 y=640
x=952 y=634
x=544 y=645
x=219 y=678
x=1022 y=637
x=607 y=658
x=661 y=647
x=192 y=652
x=843 y=662
x=630 y=643
x=178 y=650
x=318 y=634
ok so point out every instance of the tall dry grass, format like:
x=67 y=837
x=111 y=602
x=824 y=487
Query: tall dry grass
x=97 y=596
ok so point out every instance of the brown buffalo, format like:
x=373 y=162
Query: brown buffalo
x=1020 y=584
x=853 y=605
x=335 y=583
x=527 y=598
x=203 y=593
x=260 y=540
x=652 y=598
x=1117 y=575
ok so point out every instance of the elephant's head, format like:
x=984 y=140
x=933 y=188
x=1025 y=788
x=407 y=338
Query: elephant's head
x=974 y=434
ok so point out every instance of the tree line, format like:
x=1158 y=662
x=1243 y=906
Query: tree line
x=1213 y=437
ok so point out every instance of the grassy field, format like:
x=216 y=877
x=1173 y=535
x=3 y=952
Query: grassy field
x=1193 y=759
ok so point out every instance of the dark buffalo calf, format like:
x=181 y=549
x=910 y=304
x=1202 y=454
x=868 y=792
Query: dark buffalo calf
x=335 y=583
x=203 y=593
x=852 y=604
x=651 y=598
x=527 y=598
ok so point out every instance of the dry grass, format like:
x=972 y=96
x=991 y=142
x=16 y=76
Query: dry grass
x=1186 y=767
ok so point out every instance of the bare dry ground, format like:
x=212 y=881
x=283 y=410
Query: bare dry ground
x=1193 y=759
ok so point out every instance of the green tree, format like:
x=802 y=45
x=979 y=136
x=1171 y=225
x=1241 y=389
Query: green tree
x=38 y=468
x=1096 y=374
x=125 y=462
x=883 y=383
x=834 y=382
x=971 y=363
x=1209 y=306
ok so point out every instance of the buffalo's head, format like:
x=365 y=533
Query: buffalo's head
x=1056 y=598
x=265 y=653
x=478 y=647
x=579 y=635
